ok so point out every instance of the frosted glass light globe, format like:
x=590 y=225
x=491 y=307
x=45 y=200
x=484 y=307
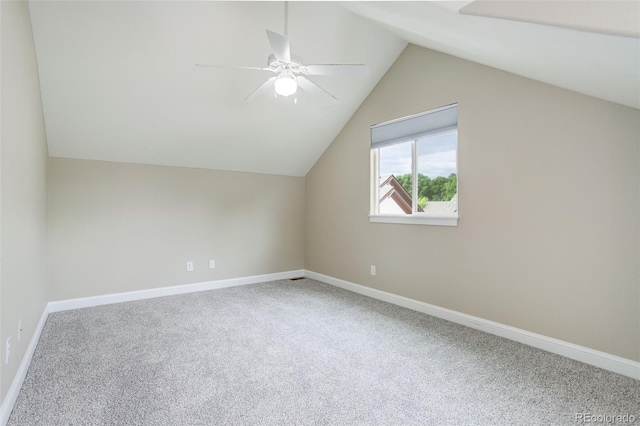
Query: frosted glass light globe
x=286 y=86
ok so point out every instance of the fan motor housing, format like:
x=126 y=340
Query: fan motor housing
x=294 y=65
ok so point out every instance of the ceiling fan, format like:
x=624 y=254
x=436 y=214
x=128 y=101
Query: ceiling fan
x=290 y=71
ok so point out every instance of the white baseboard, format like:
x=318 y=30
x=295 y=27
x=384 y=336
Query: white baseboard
x=580 y=353
x=593 y=357
x=16 y=384
x=107 y=299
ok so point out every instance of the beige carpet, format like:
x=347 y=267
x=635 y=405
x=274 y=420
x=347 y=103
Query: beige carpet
x=298 y=353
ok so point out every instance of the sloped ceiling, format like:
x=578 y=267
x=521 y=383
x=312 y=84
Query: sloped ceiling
x=119 y=81
x=614 y=17
x=570 y=52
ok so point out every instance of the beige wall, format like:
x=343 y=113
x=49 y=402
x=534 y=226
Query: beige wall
x=123 y=227
x=23 y=187
x=549 y=184
x=548 y=240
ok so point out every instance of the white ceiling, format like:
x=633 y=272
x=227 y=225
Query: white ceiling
x=119 y=81
x=601 y=65
x=604 y=16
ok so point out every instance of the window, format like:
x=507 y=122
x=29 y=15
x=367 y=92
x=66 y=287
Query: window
x=416 y=155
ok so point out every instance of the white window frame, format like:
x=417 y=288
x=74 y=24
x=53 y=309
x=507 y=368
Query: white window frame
x=415 y=218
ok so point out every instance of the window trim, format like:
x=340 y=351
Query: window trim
x=415 y=218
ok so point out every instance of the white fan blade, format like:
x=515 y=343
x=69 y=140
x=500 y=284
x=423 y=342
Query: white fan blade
x=315 y=90
x=358 y=70
x=261 y=89
x=242 y=67
x=280 y=46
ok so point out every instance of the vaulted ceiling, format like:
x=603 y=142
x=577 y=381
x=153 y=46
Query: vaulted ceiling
x=119 y=81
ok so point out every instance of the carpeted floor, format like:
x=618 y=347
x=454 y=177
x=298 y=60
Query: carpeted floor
x=298 y=353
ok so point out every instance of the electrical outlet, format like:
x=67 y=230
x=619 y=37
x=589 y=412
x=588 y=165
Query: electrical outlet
x=189 y=266
x=7 y=350
x=19 y=330
x=212 y=263
x=373 y=269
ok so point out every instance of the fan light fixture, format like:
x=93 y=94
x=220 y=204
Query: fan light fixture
x=290 y=72
x=286 y=85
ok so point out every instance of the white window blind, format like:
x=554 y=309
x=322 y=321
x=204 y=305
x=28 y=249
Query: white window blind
x=414 y=126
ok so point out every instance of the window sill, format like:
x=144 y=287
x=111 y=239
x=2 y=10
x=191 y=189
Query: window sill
x=440 y=220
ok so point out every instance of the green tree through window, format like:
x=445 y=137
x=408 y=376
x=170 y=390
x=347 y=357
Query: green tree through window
x=437 y=189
